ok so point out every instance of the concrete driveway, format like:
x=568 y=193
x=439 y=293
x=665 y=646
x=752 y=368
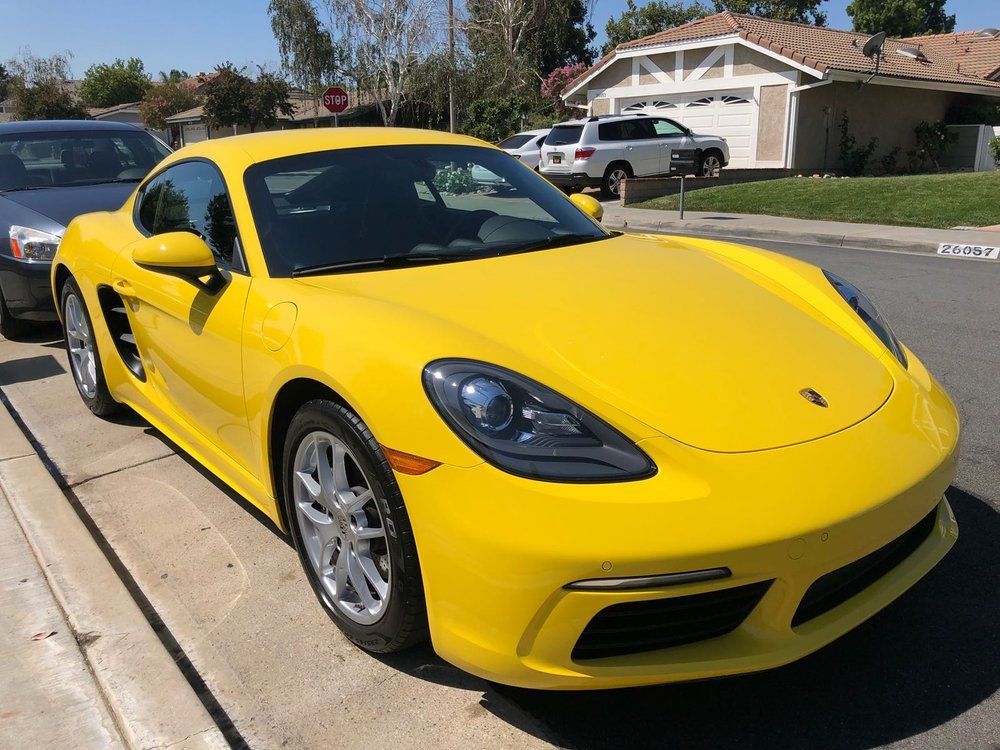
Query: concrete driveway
x=923 y=673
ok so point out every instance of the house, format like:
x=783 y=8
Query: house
x=777 y=90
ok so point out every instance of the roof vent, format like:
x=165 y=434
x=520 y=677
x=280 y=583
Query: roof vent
x=914 y=53
x=988 y=34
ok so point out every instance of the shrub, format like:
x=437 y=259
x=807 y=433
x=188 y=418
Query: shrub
x=933 y=140
x=854 y=158
x=995 y=150
x=455 y=179
x=495 y=117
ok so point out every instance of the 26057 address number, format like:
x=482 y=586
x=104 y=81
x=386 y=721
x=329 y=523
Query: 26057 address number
x=984 y=252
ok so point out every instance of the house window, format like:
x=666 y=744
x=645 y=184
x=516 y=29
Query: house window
x=663 y=105
x=703 y=102
x=734 y=100
x=637 y=107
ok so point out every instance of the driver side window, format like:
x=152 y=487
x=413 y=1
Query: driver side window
x=192 y=197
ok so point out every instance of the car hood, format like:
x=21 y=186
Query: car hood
x=702 y=349
x=63 y=204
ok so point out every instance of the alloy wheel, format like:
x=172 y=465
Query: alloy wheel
x=615 y=180
x=342 y=528
x=81 y=347
x=710 y=165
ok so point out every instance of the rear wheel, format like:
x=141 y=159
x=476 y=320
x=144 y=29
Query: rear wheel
x=84 y=359
x=611 y=185
x=351 y=530
x=10 y=327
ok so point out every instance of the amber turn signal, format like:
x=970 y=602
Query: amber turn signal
x=406 y=463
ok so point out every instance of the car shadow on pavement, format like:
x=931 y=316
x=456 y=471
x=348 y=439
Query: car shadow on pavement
x=927 y=658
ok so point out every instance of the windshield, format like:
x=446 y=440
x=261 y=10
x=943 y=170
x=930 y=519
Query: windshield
x=364 y=204
x=57 y=159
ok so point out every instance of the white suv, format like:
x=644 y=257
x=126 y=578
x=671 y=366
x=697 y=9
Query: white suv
x=602 y=151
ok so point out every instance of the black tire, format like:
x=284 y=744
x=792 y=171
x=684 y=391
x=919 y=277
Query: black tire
x=11 y=327
x=403 y=624
x=710 y=164
x=613 y=175
x=101 y=403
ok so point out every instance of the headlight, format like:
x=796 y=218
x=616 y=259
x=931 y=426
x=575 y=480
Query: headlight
x=33 y=245
x=524 y=428
x=867 y=312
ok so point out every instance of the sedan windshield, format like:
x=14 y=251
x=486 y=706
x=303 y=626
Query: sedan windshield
x=388 y=206
x=77 y=157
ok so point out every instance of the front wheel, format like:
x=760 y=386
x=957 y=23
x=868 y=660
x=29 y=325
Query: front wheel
x=351 y=530
x=711 y=164
x=84 y=359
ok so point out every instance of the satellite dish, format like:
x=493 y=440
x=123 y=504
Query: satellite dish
x=874 y=45
x=873 y=48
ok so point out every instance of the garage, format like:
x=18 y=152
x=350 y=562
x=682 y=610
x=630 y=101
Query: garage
x=729 y=114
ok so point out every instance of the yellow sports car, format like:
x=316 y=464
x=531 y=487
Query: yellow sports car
x=572 y=458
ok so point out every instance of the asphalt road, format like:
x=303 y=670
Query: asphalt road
x=923 y=673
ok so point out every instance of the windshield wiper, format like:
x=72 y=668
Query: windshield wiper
x=384 y=261
x=557 y=240
x=27 y=187
x=106 y=182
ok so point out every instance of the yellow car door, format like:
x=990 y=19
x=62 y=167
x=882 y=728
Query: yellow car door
x=188 y=333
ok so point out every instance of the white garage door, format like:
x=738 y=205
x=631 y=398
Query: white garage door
x=730 y=114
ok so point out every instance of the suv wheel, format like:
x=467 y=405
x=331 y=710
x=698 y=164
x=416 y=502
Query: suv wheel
x=711 y=164
x=611 y=186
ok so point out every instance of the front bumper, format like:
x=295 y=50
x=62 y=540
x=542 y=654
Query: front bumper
x=27 y=289
x=496 y=551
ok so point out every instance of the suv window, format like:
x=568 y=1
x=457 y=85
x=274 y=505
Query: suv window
x=667 y=129
x=564 y=135
x=191 y=197
x=609 y=131
x=637 y=129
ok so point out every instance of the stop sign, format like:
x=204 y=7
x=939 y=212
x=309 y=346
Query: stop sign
x=335 y=99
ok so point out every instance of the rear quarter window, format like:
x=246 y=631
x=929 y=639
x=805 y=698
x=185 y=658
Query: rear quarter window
x=564 y=135
x=609 y=131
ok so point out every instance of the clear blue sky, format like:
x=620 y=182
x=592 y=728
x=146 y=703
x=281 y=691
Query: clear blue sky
x=195 y=35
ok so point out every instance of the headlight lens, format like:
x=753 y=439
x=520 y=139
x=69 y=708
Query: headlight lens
x=867 y=312
x=33 y=245
x=524 y=428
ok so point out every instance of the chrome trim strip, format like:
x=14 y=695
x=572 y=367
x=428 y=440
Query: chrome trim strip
x=648 y=582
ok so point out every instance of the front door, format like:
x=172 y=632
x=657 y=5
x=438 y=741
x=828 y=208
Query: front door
x=670 y=136
x=641 y=146
x=188 y=336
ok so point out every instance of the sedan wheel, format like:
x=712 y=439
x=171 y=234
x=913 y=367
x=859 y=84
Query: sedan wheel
x=711 y=165
x=342 y=528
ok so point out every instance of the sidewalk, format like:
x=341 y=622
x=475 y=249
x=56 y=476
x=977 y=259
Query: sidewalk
x=80 y=665
x=753 y=226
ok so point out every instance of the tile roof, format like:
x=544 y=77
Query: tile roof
x=951 y=58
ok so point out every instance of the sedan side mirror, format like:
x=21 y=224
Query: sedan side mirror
x=183 y=254
x=590 y=206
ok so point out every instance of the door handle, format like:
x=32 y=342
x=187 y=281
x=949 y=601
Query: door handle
x=123 y=288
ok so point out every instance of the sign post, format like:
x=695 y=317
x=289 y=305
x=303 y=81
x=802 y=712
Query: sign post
x=683 y=161
x=336 y=101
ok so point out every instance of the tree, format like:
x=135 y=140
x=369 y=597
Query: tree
x=382 y=42
x=4 y=82
x=803 y=11
x=120 y=82
x=38 y=86
x=234 y=99
x=503 y=37
x=270 y=98
x=174 y=76
x=163 y=101
x=307 y=53
x=565 y=35
x=901 y=18
x=554 y=83
x=494 y=118
x=657 y=15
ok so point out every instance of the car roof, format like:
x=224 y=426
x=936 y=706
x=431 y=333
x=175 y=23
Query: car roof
x=275 y=144
x=602 y=118
x=62 y=126
x=541 y=131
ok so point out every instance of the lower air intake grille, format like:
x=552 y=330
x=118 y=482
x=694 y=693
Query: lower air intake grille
x=634 y=627
x=837 y=587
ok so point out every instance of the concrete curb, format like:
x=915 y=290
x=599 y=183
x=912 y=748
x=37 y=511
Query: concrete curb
x=152 y=703
x=703 y=229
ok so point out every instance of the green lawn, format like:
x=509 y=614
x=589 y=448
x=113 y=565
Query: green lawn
x=939 y=200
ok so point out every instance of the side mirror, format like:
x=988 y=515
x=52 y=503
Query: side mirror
x=590 y=206
x=183 y=254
